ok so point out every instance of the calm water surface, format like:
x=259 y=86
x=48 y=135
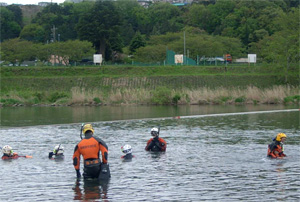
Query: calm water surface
x=219 y=157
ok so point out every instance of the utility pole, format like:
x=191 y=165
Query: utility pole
x=184 y=53
x=53 y=35
x=53 y=29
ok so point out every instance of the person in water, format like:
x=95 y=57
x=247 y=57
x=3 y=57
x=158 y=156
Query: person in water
x=275 y=149
x=8 y=153
x=156 y=143
x=58 y=153
x=127 y=150
x=90 y=147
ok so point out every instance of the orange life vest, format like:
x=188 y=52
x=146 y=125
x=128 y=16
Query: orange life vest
x=275 y=150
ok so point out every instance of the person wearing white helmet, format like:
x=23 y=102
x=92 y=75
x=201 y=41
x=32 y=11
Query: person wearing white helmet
x=127 y=150
x=8 y=153
x=156 y=143
x=58 y=152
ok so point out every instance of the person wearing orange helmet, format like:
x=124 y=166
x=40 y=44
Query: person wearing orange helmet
x=156 y=143
x=90 y=148
x=275 y=149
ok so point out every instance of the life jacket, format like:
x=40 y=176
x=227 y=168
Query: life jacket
x=162 y=145
x=275 y=150
x=89 y=148
x=14 y=156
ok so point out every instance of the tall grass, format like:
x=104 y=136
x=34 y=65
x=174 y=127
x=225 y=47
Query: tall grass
x=204 y=95
x=284 y=94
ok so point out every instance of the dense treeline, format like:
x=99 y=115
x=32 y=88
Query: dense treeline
x=268 y=28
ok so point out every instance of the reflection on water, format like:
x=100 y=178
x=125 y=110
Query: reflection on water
x=90 y=190
x=28 y=116
x=208 y=158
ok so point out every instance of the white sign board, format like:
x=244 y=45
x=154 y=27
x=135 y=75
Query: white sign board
x=251 y=58
x=178 y=59
x=98 y=58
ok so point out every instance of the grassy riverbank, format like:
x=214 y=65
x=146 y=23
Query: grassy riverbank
x=148 y=85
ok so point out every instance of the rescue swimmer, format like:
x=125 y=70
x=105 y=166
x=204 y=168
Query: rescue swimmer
x=90 y=147
x=275 y=149
x=58 y=153
x=127 y=150
x=8 y=153
x=156 y=143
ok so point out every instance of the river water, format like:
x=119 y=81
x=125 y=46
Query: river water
x=214 y=153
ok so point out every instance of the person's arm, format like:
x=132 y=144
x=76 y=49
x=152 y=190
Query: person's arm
x=103 y=148
x=104 y=153
x=149 y=145
x=50 y=155
x=76 y=161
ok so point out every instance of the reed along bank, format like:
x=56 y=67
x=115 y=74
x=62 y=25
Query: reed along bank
x=126 y=84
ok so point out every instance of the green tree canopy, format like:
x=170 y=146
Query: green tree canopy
x=101 y=26
x=282 y=48
x=165 y=18
x=9 y=26
x=17 y=51
x=18 y=16
x=33 y=32
x=137 y=41
x=197 y=44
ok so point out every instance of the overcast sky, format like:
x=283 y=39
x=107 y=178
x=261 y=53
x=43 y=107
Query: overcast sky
x=29 y=1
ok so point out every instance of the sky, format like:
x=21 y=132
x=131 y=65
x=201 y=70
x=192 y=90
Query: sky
x=29 y=1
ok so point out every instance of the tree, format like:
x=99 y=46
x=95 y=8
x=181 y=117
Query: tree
x=9 y=27
x=18 y=16
x=137 y=41
x=129 y=19
x=101 y=26
x=155 y=53
x=76 y=50
x=283 y=46
x=165 y=18
x=197 y=42
x=69 y=51
x=33 y=32
x=17 y=51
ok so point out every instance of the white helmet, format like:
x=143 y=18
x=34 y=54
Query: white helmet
x=58 y=149
x=126 y=149
x=154 y=132
x=7 y=150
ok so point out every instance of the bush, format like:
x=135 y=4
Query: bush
x=10 y=101
x=161 y=96
x=225 y=98
x=175 y=99
x=292 y=99
x=97 y=100
x=240 y=99
x=56 y=96
x=38 y=97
